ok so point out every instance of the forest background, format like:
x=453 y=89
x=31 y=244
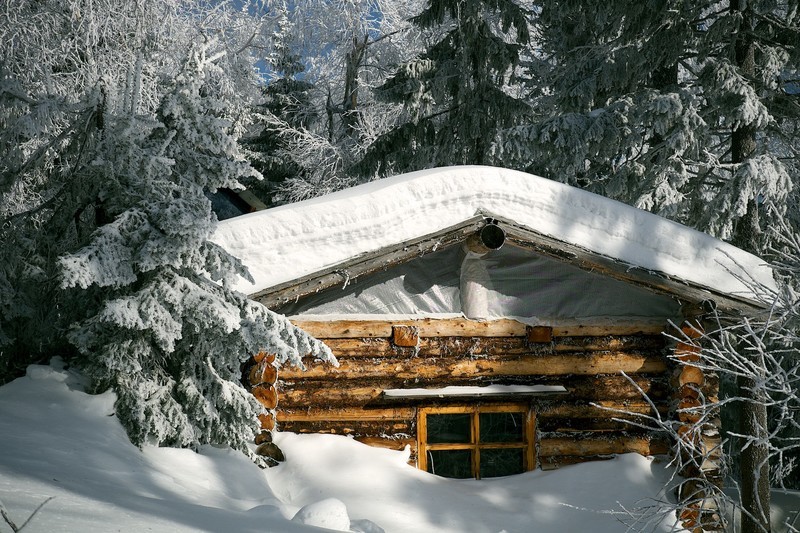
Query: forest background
x=118 y=117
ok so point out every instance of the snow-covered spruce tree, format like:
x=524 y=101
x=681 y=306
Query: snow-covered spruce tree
x=644 y=102
x=287 y=107
x=457 y=95
x=67 y=67
x=315 y=129
x=94 y=142
x=170 y=335
x=51 y=108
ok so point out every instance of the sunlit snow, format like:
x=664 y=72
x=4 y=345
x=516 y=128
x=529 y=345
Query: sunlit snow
x=288 y=242
x=59 y=442
x=64 y=447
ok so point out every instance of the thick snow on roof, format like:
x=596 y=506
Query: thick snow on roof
x=288 y=242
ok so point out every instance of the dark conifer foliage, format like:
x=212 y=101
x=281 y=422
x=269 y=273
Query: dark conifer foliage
x=289 y=101
x=456 y=95
x=649 y=103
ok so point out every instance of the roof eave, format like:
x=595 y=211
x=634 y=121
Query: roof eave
x=517 y=235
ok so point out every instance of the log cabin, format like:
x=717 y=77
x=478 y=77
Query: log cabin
x=492 y=321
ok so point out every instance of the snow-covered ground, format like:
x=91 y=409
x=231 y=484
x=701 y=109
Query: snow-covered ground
x=64 y=447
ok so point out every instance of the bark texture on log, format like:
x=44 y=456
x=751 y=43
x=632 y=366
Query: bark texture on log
x=602 y=412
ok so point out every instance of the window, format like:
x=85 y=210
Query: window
x=476 y=441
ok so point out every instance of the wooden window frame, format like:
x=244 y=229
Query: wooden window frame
x=528 y=444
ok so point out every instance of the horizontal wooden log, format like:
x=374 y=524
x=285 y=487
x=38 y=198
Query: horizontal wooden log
x=531 y=365
x=603 y=409
x=300 y=395
x=436 y=346
x=460 y=346
x=316 y=413
x=267 y=395
x=594 y=425
x=367 y=428
x=613 y=343
x=617 y=416
x=390 y=443
x=602 y=446
x=557 y=461
x=461 y=327
x=566 y=416
x=342 y=393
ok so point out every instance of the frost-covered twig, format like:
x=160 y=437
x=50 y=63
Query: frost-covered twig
x=765 y=352
x=14 y=527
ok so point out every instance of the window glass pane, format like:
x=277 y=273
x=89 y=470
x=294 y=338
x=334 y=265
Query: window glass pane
x=502 y=462
x=502 y=427
x=450 y=463
x=448 y=428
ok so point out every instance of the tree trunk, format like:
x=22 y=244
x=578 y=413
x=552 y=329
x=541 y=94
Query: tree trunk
x=754 y=459
x=354 y=59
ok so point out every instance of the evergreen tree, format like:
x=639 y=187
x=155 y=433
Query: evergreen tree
x=108 y=151
x=168 y=338
x=648 y=103
x=287 y=108
x=318 y=123
x=457 y=95
x=685 y=109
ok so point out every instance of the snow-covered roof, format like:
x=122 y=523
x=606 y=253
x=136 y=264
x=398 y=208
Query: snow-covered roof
x=292 y=241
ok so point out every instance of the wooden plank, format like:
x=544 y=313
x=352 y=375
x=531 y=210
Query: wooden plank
x=531 y=422
x=369 y=393
x=455 y=346
x=422 y=438
x=463 y=327
x=490 y=366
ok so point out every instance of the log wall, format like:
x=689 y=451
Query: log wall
x=587 y=422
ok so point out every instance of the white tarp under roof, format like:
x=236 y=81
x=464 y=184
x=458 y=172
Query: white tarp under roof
x=509 y=282
x=285 y=243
